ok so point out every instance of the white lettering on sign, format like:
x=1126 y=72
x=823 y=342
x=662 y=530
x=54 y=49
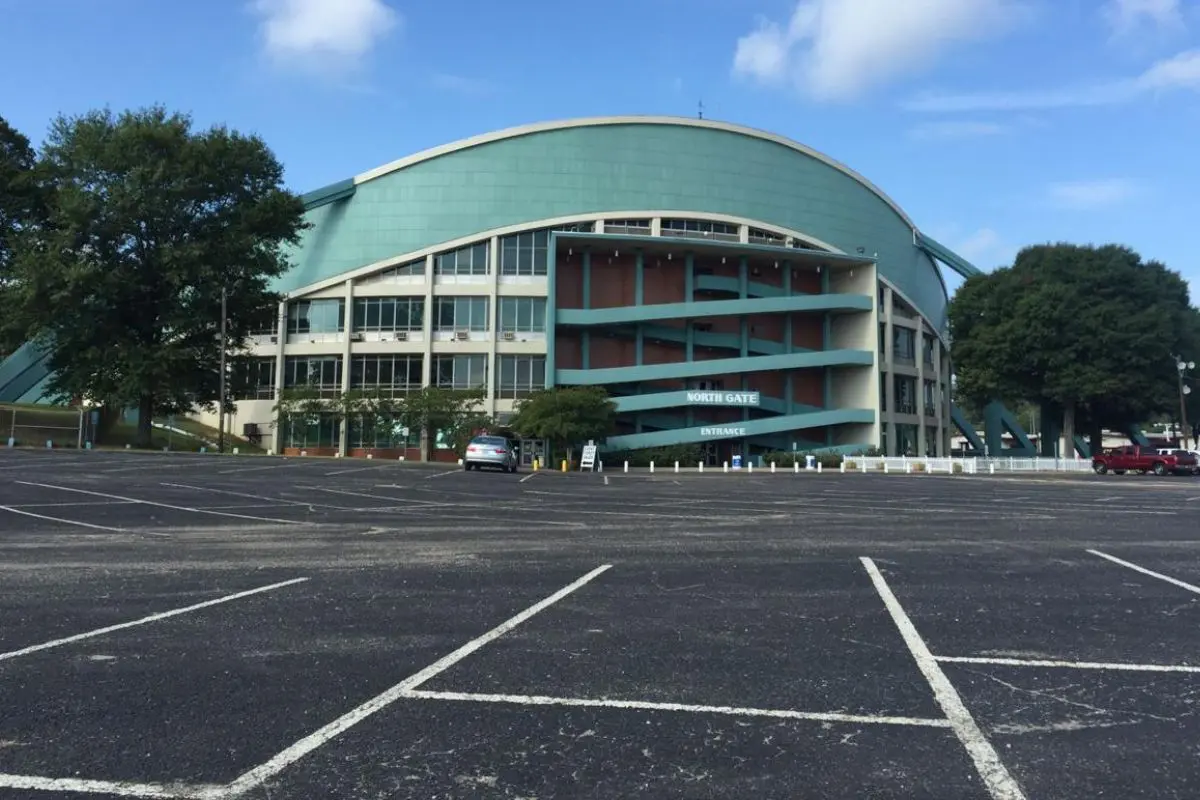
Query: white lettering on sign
x=724 y=398
x=722 y=431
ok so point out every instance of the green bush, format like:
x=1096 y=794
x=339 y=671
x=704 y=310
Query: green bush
x=686 y=455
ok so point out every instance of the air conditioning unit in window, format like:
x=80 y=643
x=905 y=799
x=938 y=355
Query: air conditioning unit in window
x=356 y=337
x=274 y=340
x=462 y=335
x=401 y=336
x=510 y=336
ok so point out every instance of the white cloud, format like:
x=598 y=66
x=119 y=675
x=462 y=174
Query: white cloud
x=957 y=129
x=1088 y=195
x=1181 y=71
x=1127 y=17
x=343 y=30
x=838 y=49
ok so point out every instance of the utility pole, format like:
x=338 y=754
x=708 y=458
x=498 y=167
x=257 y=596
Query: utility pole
x=221 y=408
x=700 y=110
x=1181 y=367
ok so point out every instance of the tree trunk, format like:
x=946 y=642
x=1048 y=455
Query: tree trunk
x=1096 y=437
x=145 y=421
x=1068 y=430
x=424 y=437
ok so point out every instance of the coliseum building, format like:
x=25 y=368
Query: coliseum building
x=730 y=288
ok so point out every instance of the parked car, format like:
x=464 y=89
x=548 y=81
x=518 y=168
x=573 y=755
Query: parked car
x=490 y=451
x=1135 y=458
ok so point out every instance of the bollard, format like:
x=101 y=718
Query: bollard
x=564 y=465
x=302 y=452
x=700 y=466
x=534 y=465
x=627 y=466
x=236 y=450
x=12 y=442
x=369 y=455
x=726 y=466
x=749 y=467
x=676 y=466
x=128 y=446
x=772 y=467
x=651 y=467
x=203 y=449
x=818 y=467
x=599 y=466
x=992 y=468
x=908 y=466
x=270 y=451
x=885 y=468
x=796 y=467
x=842 y=467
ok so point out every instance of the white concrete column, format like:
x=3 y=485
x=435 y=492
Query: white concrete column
x=889 y=335
x=489 y=407
x=427 y=325
x=920 y=348
x=347 y=349
x=280 y=361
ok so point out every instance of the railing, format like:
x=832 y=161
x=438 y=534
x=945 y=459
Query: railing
x=969 y=466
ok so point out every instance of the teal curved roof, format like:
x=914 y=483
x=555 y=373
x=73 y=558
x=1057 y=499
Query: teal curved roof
x=610 y=165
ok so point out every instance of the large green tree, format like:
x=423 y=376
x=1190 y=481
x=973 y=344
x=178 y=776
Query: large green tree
x=1089 y=330
x=20 y=196
x=567 y=416
x=148 y=221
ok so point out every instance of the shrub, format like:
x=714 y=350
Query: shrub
x=851 y=465
x=919 y=466
x=958 y=468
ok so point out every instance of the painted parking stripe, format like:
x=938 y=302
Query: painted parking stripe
x=60 y=519
x=112 y=788
x=146 y=620
x=1150 y=572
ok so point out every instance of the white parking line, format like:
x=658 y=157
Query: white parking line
x=1144 y=571
x=1053 y=664
x=442 y=474
x=581 y=702
x=271 y=500
x=358 y=469
x=996 y=777
x=60 y=519
x=309 y=743
x=527 y=477
x=113 y=788
x=144 y=620
x=165 y=505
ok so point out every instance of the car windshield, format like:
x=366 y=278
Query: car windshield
x=490 y=441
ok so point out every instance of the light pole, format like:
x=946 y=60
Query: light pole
x=221 y=401
x=1181 y=370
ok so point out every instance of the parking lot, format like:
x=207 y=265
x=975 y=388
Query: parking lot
x=221 y=627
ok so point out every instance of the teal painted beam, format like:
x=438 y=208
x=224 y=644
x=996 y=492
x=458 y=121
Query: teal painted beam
x=714 y=308
x=947 y=256
x=26 y=368
x=741 y=430
x=551 y=311
x=587 y=279
x=716 y=366
x=655 y=400
x=685 y=244
x=722 y=283
x=966 y=429
x=728 y=341
x=341 y=190
x=639 y=279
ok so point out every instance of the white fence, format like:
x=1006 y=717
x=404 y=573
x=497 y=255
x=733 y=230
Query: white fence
x=903 y=464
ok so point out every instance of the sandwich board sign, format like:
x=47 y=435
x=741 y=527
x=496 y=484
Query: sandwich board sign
x=588 y=459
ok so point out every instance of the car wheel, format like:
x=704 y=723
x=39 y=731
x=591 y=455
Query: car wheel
x=467 y=466
x=1160 y=468
x=1100 y=468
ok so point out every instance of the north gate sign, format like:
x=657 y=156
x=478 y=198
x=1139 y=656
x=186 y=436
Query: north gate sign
x=709 y=398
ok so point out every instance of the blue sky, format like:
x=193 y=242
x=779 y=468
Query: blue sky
x=994 y=123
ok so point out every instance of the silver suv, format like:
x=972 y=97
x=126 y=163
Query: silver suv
x=491 y=451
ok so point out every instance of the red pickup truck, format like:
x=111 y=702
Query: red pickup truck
x=1134 y=458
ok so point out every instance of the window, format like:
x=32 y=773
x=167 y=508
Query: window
x=265 y=328
x=254 y=379
x=316 y=316
x=906 y=395
x=931 y=441
x=413 y=269
x=904 y=343
x=387 y=374
x=379 y=432
x=471 y=260
x=322 y=373
x=635 y=227
x=523 y=314
x=758 y=236
x=901 y=308
x=587 y=226
x=460 y=372
x=927 y=348
x=882 y=338
x=700 y=229
x=931 y=399
x=389 y=313
x=524 y=253
x=462 y=313
x=519 y=376
x=883 y=392
x=301 y=431
x=906 y=440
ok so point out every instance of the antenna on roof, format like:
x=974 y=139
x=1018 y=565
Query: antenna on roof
x=700 y=110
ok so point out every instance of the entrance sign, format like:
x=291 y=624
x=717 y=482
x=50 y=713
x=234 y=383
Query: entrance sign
x=723 y=431
x=724 y=398
x=588 y=459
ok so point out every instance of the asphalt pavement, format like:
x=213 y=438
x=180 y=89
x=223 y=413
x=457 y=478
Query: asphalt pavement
x=246 y=627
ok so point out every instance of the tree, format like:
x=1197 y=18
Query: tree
x=20 y=196
x=148 y=221
x=453 y=412
x=1089 y=330
x=567 y=416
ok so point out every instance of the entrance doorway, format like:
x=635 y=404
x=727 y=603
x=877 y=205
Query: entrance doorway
x=531 y=449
